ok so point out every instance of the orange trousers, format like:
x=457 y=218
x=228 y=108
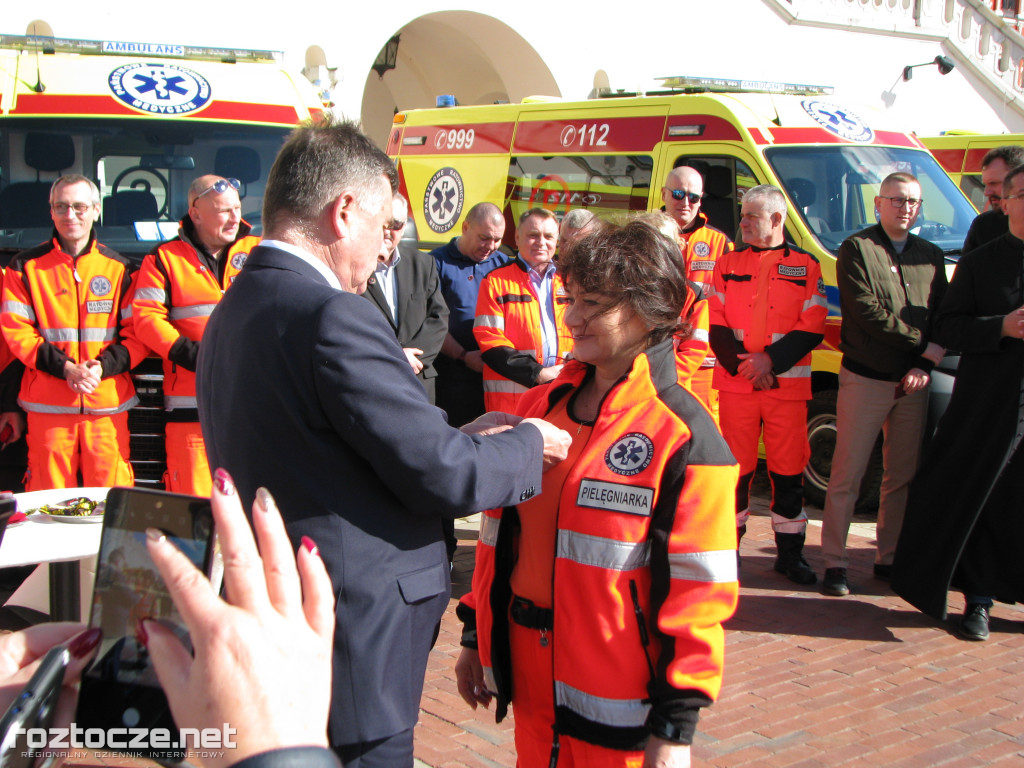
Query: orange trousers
x=743 y=417
x=188 y=470
x=533 y=705
x=60 y=444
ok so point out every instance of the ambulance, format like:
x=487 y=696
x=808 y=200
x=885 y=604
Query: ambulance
x=611 y=155
x=142 y=119
x=960 y=153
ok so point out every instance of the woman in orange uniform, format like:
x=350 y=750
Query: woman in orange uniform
x=597 y=606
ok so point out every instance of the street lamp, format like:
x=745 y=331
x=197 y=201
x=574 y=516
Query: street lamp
x=944 y=63
x=387 y=58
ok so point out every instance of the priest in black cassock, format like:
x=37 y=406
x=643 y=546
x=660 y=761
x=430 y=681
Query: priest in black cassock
x=964 y=527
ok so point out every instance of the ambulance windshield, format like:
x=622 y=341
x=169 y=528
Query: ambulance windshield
x=834 y=187
x=143 y=170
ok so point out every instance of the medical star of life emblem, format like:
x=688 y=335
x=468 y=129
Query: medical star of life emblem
x=701 y=249
x=443 y=199
x=238 y=260
x=838 y=120
x=160 y=89
x=100 y=286
x=630 y=454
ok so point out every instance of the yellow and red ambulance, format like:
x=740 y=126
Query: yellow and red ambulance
x=611 y=155
x=960 y=153
x=142 y=119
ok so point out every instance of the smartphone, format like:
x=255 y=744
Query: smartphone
x=120 y=689
x=34 y=708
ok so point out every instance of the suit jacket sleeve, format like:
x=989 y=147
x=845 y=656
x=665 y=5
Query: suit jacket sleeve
x=375 y=404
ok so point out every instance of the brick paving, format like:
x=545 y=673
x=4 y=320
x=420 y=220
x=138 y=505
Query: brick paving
x=811 y=681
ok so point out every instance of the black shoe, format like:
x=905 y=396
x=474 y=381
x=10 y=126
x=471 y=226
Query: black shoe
x=790 y=562
x=974 y=624
x=883 y=572
x=835 y=582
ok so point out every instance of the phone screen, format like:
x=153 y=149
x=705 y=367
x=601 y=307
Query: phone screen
x=120 y=689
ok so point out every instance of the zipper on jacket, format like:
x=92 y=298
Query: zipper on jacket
x=641 y=623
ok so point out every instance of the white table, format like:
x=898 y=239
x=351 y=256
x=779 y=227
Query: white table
x=69 y=549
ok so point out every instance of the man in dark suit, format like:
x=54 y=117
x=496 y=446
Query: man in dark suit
x=405 y=288
x=303 y=389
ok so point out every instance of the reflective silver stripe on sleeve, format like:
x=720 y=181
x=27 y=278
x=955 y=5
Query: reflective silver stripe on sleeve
x=54 y=335
x=715 y=567
x=152 y=294
x=17 y=308
x=490 y=321
x=628 y=713
x=700 y=334
x=99 y=334
x=737 y=333
x=489 y=682
x=796 y=372
x=601 y=552
x=196 y=310
x=777 y=336
x=815 y=301
x=27 y=405
x=126 y=313
x=174 y=402
x=489 y=530
x=506 y=386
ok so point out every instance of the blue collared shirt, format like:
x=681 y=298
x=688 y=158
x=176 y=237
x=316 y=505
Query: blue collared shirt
x=543 y=286
x=460 y=279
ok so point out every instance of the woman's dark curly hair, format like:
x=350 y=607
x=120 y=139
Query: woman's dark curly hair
x=635 y=265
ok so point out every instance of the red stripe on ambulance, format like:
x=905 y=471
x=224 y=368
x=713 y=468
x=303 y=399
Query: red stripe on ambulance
x=613 y=134
x=460 y=139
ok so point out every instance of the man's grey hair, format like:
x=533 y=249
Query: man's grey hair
x=400 y=202
x=320 y=160
x=774 y=200
x=577 y=219
x=76 y=178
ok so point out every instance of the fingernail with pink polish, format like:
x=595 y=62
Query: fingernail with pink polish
x=223 y=481
x=85 y=643
x=141 y=634
x=265 y=501
x=310 y=546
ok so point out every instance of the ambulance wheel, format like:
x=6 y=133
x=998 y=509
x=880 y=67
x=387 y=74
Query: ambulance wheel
x=821 y=434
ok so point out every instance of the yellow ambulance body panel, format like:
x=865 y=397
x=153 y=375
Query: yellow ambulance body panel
x=960 y=154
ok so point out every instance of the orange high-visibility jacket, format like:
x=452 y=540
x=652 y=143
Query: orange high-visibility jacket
x=57 y=308
x=768 y=300
x=692 y=353
x=646 y=538
x=704 y=246
x=508 y=329
x=178 y=287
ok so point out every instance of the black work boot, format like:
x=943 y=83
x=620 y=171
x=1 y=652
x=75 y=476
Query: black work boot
x=740 y=531
x=790 y=561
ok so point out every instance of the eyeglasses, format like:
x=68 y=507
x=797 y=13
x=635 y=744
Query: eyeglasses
x=220 y=187
x=1012 y=197
x=80 y=209
x=394 y=226
x=681 y=194
x=899 y=202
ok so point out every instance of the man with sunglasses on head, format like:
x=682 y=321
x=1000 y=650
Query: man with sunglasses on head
x=890 y=285
x=179 y=284
x=64 y=312
x=702 y=245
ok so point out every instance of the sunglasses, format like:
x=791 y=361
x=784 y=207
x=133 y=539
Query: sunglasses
x=680 y=194
x=220 y=187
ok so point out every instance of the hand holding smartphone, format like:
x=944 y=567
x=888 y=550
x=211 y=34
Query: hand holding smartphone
x=120 y=689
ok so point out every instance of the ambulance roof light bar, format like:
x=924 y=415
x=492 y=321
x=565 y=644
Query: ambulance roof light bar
x=50 y=45
x=696 y=84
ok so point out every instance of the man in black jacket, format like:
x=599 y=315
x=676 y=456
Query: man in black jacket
x=890 y=283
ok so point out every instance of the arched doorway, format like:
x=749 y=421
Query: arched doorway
x=475 y=57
